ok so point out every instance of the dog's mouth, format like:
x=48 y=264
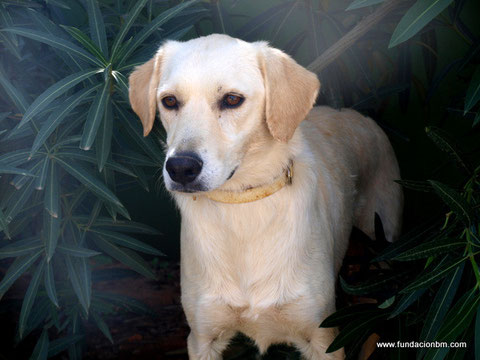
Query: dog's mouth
x=196 y=186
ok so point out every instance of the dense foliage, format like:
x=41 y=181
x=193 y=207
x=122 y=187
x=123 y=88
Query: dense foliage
x=69 y=146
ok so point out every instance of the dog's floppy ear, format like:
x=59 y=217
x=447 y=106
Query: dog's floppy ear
x=143 y=83
x=290 y=91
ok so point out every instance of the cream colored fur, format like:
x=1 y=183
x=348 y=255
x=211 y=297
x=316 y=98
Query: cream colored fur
x=266 y=268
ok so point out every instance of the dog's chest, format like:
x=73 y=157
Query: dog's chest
x=250 y=257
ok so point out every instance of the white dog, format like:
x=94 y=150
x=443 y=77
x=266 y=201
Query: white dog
x=267 y=201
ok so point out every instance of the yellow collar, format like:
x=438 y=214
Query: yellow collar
x=254 y=193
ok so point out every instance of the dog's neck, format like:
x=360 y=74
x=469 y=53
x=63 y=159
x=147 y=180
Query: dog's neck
x=251 y=193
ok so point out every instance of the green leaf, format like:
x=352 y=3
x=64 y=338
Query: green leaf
x=20 y=248
x=387 y=303
x=357 y=4
x=86 y=42
x=42 y=174
x=455 y=201
x=56 y=42
x=56 y=117
x=51 y=228
x=126 y=257
x=477 y=335
x=457 y=320
x=89 y=180
x=18 y=200
x=446 y=144
x=18 y=267
x=351 y=331
x=440 y=305
x=102 y=326
x=13 y=92
x=68 y=153
x=405 y=302
x=348 y=314
x=431 y=276
x=417 y=185
x=95 y=115
x=107 y=223
x=16 y=157
x=126 y=26
x=97 y=27
x=49 y=282
x=127 y=303
x=473 y=92
x=79 y=276
x=104 y=137
x=77 y=251
x=40 y=352
x=59 y=345
x=52 y=192
x=134 y=158
x=134 y=130
x=419 y=15
x=54 y=91
x=8 y=169
x=126 y=241
x=153 y=26
x=371 y=285
x=29 y=298
x=4 y=224
x=431 y=248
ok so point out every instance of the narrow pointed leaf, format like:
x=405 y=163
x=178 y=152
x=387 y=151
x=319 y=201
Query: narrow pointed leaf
x=457 y=320
x=153 y=26
x=59 y=345
x=134 y=158
x=419 y=15
x=352 y=330
x=49 y=282
x=126 y=257
x=95 y=115
x=56 y=117
x=430 y=277
x=348 y=314
x=431 y=248
x=102 y=325
x=42 y=174
x=125 y=226
x=89 y=180
x=104 y=137
x=127 y=303
x=75 y=153
x=20 y=248
x=473 y=92
x=8 y=169
x=369 y=286
x=18 y=200
x=40 y=352
x=86 y=42
x=29 y=298
x=54 y=91
x=55 y=42
x=4 y=224
x=78 y=283
x=52 y=192
x=444 y=143
x=455 y=201
x=406 y=301
x=13 y=93
x=126 y=241
x=357 y=4
x=126 y=26
x=14 y=158
x=18 y=267
x=97 y=27
x=51 y=228
x=77 y=251
x=440 y=305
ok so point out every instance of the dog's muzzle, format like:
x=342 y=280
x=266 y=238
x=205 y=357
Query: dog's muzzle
x=184 y=168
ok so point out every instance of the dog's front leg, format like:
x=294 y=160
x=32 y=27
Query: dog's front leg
x=208 y=347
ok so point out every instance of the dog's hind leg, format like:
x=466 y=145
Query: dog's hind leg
x=378 y=193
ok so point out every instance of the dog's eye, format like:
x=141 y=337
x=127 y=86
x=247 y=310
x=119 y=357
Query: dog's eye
x=170 y=102
x=232 y=101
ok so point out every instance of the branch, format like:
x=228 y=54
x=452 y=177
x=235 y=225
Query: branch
x=337 y=49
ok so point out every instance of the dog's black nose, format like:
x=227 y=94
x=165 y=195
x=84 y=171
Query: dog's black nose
x=184 y=167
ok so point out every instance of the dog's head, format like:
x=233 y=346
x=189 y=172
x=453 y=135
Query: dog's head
x=217 y=96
